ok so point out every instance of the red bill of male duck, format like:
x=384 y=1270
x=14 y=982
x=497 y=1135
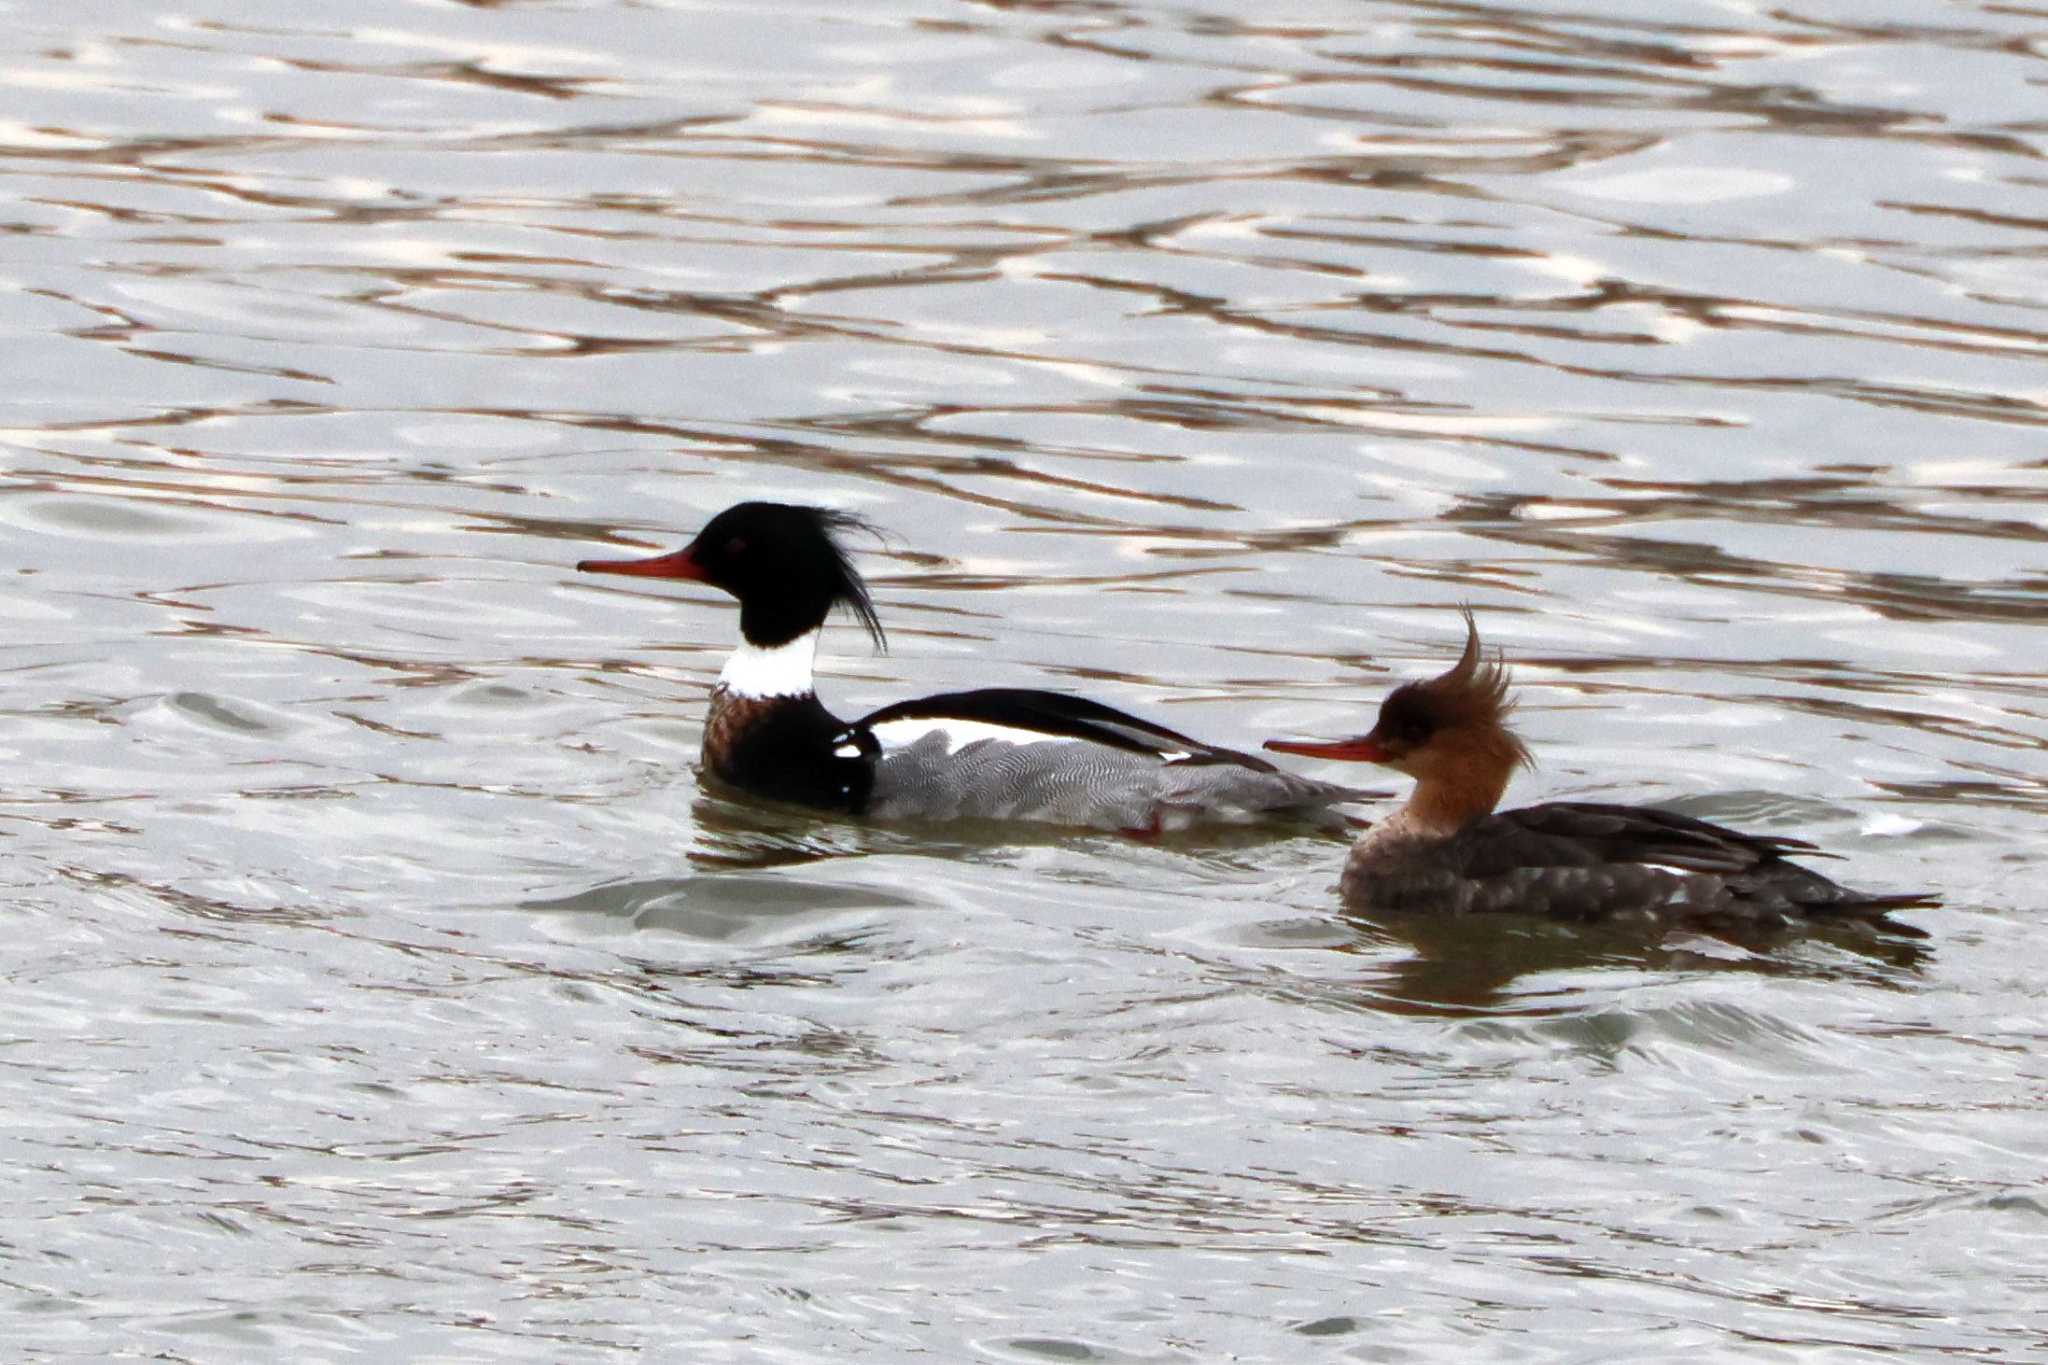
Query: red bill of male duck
x=995 y=753
x=1448 y=851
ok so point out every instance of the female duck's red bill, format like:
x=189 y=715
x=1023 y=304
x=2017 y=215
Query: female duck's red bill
x=677 y=565
x=1364 y=749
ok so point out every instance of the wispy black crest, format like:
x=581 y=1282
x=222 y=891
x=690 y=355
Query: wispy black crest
x=852 y=588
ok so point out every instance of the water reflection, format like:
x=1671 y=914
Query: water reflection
x=1488 y=966
x=726 y=907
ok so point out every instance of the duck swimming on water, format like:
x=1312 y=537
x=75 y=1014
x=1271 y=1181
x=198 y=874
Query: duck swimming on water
x=1448 y=851
x=994 y=753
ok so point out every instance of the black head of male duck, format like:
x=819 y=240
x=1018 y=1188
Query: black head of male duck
x=785 y=564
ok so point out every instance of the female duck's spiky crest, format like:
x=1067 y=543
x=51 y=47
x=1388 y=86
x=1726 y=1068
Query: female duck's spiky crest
x=1474 y=691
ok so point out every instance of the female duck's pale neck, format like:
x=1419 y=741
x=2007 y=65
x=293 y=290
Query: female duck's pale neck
x=1459 y=777
x=1450 y=734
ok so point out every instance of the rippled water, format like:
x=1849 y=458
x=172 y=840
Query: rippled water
x=383 y=985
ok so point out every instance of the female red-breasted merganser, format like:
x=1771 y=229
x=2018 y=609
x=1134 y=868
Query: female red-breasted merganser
x=997 y=753
x=1448 y=851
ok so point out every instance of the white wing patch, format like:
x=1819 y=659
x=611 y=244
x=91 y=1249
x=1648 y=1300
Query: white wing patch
x=958 y=734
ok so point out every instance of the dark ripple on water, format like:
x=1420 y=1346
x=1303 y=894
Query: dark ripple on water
x=379 y=959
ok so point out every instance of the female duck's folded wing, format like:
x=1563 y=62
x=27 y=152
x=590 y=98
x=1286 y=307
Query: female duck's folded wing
x=1590 y=834
x=1603 y=852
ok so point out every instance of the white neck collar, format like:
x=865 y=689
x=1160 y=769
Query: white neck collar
x=781 y=671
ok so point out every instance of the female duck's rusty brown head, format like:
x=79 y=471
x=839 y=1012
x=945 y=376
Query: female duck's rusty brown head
x=1454 y=721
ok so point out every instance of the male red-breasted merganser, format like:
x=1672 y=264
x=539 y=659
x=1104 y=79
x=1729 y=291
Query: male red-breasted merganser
x=997 y=753
x=1448 y=851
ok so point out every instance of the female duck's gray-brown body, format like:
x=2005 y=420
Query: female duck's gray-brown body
x=1448 y=851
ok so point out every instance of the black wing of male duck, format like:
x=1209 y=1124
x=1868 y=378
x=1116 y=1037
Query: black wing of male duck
x=994 y=753
x=1050 y=715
